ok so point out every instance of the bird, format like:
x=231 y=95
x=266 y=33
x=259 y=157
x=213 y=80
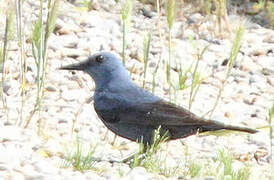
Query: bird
x=133 y=112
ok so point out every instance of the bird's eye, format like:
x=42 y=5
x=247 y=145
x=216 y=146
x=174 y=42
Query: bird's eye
x=99 y=58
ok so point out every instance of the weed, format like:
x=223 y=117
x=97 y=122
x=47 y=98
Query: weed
x=154 y=76
x=231 y=60
x=194 y=169
x=126 y=13
x=270 y=12
x=2 y=61
x=196 y=78
x=3 y=58
x=148 y=158
x=182 y=77
x=40 y=38
x=78 y=160
x=88 y=4
x=146 y=46
x=225 y=168
x=170 y=13
x=271 y=115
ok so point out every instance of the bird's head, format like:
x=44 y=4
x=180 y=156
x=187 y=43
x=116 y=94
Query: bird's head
x=102 y=67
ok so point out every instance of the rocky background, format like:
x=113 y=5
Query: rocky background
x=67 y=118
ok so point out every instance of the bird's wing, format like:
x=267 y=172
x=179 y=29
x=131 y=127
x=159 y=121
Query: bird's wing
x=158 y=113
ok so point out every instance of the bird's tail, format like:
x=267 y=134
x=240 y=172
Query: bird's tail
x=242 y=129
x=216 y=125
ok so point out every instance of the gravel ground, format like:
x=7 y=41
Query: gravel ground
x=67 y=111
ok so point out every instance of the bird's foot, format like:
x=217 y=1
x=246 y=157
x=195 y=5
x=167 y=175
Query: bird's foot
x=130 y=159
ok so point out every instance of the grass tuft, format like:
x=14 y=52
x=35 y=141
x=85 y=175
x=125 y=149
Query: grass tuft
x=182 y=76
x=79 y=160
x=225 y=168
x=150 y=159
x=194 y=169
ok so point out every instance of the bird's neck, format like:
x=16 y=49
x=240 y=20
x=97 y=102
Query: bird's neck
x=115 y=81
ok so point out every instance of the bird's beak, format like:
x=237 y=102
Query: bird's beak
x=78 y=67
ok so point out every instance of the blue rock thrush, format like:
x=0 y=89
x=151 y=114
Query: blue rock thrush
x=134 y=113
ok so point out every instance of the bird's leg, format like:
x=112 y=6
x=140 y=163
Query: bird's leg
x=135 y=156
x=114 y=139
x=139 y=156
x=125 y=160
x=105 y=136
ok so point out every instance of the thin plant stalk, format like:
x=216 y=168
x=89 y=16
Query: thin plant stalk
x=161 y=47
x=182 y=76
x=124 y=43
x=36 y=52
x=154 y=75
x=271 y=115
x=233 y=55
x=193 y=84
x=40 y=69
x=21 y=43
x=126 y=12
x=196 y=81
x=169 y=58
x=170 y=8
x=171 y=11
x=39 y=51
x=208 y=7
x=4 y=54
x=221 y=13
x=218 y=4
x=3 y=60
x=147 y=39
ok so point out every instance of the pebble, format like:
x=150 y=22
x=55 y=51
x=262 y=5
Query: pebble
x=51 y=88
x=73 y=53
x=11 y=87
x=248 y=65
x=136 y=174
x=10 y=133
x=68 y=40
x=45 y=167
x=269 y=38
x=66 y=28
x=257 y=51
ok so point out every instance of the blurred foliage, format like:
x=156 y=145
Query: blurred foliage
x=270 y=10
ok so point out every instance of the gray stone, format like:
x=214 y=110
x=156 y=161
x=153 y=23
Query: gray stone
x=136 y=174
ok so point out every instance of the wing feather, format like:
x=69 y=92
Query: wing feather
x=158 y=113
